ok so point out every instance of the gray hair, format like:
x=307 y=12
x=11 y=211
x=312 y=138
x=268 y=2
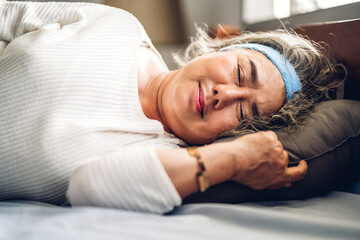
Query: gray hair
x=319 y=76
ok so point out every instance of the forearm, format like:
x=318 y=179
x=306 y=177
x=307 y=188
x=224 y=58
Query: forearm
x=182 y=168
x=257 y=161
x=151 y=180
x=131 y=179
x=145 y=179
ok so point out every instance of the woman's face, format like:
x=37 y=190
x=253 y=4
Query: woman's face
x=212 y=93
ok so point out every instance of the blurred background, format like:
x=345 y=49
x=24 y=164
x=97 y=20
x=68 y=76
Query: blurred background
x=170 y=23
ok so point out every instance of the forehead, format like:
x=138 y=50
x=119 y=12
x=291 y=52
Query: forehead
x=270 y=87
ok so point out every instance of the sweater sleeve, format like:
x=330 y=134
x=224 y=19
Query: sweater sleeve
x=133 y=179
x=19 y=18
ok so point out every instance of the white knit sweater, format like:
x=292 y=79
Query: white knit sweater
x=70 y=116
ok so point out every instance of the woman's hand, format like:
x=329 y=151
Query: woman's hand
x=256 y=160
x=262 y=163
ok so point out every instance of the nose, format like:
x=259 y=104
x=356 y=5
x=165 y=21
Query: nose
x=225 y=95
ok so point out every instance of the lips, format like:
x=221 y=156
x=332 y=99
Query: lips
x=200 y=100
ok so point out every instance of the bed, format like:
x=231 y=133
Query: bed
x=333 y=216
x=325 y=205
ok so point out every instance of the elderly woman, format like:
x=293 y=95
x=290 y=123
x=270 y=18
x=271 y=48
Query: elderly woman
x=89 y=110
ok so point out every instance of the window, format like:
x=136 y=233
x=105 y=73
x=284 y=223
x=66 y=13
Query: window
x=262 y=10
x=285 y=8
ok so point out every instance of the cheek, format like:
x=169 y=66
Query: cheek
x=205 y=132
x=177 y=97
x=208 y=131
x=223 y=121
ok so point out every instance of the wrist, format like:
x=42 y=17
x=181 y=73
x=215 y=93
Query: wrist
x=219 y=161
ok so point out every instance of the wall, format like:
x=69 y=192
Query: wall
x=210 y=12
x=256 y=11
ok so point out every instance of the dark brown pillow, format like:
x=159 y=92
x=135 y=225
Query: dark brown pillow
x=330 y=143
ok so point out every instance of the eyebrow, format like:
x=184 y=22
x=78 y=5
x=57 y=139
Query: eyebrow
x=254 y=76
x=254 y=109
x=254 y=81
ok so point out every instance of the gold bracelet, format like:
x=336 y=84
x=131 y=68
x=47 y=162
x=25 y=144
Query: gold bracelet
x=202 y=178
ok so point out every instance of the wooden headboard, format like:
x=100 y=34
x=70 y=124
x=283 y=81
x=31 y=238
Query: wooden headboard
x=343 y=40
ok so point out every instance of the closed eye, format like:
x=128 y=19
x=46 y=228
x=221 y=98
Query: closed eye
x=239 y=79
x=241 y=112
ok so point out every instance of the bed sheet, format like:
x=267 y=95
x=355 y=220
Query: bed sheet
x=334 y=216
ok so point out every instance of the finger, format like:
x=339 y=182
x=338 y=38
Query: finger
x=279 y=185
x=282 y=163
x=297 y=173
x=271 y=133
x=272 y=138
x=286 y=157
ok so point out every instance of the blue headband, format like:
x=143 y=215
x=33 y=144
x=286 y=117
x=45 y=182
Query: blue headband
x=291 y=79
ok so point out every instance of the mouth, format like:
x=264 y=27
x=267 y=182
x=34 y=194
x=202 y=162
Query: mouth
x=200 y=100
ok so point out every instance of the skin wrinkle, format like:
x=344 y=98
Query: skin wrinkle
x=254 y=75
x=319 y=75
x=160 y=110
x=215 y=74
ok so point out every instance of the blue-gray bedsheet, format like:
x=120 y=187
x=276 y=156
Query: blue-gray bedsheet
x=334 y=216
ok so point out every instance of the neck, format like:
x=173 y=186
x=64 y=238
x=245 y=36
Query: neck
x=153 y=77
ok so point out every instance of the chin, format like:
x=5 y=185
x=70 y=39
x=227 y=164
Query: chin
x=197 y=140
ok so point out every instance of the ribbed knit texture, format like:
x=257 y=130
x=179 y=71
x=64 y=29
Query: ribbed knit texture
x=69 y=101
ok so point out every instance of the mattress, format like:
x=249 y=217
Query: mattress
x=332 y=216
